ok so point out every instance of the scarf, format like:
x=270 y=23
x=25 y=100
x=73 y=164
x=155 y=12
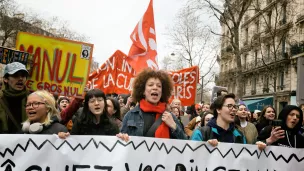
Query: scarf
x=163 y=130
x=9 y=92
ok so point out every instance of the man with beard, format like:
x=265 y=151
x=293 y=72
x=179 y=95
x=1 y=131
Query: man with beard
x=13 y=99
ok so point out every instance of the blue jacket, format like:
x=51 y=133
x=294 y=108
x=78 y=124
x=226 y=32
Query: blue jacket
x=133 y=125
x=232 y=135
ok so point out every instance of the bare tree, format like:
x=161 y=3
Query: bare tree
x=12 y=20
x=230 y=14
x=60 y=28
x=192 y=44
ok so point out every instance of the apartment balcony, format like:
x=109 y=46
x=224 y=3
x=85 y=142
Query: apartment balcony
x=260 y=64
x=266 y=90
x=227 y=52
x=297 y=48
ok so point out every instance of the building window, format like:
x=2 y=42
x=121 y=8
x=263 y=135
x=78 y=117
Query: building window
x=266 y=84
x=254 y=83
x=268 y=51
x=282 y=80
x=284 y=16
x=246 y=35
x=245 y=60
x=244 y=87
x=257 y=25
x=284 y=55
x=253 y=86
x=269 y=21
x=255 y=58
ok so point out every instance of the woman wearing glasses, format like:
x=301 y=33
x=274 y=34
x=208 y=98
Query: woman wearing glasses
x=43 y=117
x=248 y=129
x=94 y=119
x=221 y=127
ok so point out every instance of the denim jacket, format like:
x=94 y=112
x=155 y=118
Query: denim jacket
x=133 y=125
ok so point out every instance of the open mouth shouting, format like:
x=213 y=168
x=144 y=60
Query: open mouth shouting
x=19 y=85
x=97 y=110
x=154 y=95
x=31 y=115
x=232 y=115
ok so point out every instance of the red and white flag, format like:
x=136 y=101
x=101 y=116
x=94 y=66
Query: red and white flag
x=143 y=53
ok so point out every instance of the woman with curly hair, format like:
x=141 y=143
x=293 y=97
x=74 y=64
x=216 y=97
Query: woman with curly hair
x=152 y=90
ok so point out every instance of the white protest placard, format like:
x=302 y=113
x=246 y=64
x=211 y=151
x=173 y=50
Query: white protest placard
x=48 y=153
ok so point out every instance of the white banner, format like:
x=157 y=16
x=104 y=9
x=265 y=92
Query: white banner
x=48 y=153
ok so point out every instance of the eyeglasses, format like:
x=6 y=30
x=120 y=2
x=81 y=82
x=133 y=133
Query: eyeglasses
x=34 y=105
x=99 y=100
x=230 y=106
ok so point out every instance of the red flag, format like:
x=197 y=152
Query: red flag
x=143 y=52
x=114 y=76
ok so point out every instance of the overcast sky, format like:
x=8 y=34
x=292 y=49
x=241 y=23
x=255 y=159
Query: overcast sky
x=108 y=23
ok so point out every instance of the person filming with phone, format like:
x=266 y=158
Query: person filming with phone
x=284 y=131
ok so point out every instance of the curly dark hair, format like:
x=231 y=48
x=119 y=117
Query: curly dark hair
x=139 y=84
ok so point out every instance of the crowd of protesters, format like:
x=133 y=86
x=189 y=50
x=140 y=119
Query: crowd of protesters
x=147 y=112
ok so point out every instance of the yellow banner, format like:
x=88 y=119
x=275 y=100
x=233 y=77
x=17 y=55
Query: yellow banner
x=59 y=66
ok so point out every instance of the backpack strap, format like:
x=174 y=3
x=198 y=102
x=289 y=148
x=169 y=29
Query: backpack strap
x=153 y=128
x=206 y=133
x=8 y=113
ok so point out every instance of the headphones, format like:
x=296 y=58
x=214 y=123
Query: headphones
x=34 y=128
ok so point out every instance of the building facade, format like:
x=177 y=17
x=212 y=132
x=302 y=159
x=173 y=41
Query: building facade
x=271 y=42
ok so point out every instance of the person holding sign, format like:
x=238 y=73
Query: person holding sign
x=43 y=117
x=94 y=119
x=13 y=99
x=152 y=90
x=285 y=131
x=221 y=127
